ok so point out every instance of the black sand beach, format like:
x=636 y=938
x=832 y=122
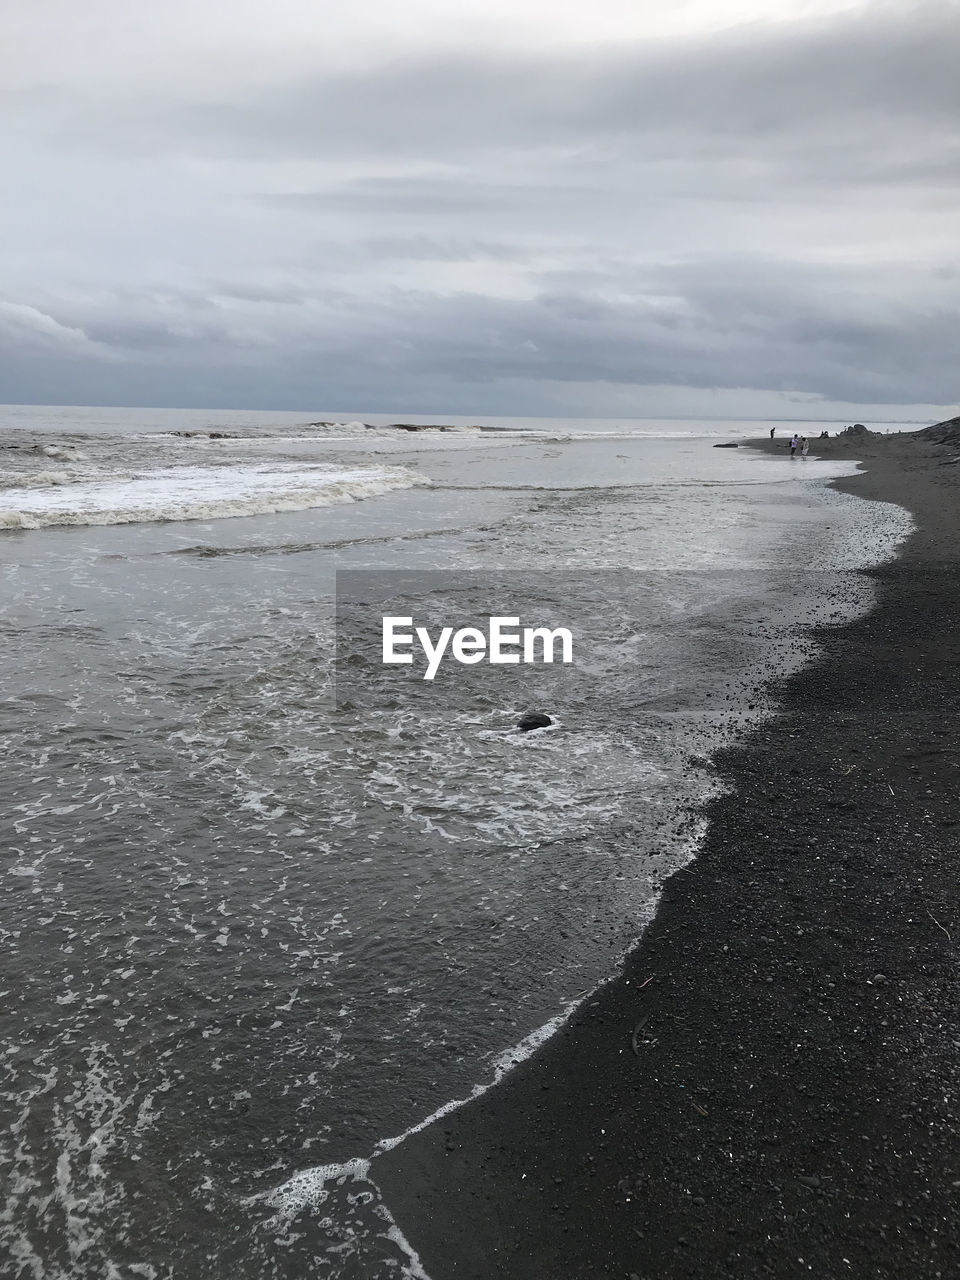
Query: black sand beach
x=770 y=1087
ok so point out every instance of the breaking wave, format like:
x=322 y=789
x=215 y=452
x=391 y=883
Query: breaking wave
x=46 y=498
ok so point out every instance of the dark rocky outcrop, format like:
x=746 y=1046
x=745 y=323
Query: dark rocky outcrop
x=729 y=444
x=857 y=434
x=533 y=720
x=947 y=432
x=420 y=426
x=210 y=435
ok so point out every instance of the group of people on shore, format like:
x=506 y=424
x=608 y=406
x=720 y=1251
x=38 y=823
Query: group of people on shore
x=798 y=444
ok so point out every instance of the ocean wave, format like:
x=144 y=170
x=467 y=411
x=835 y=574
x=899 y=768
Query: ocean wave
x=192 y=493
x=39 y=479
x=62 y=452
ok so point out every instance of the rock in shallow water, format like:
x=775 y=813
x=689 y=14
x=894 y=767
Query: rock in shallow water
x=533 y=720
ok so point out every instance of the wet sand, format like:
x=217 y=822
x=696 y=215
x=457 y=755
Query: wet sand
x=770 y=1088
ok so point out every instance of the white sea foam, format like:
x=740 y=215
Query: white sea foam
x=85 y=1195
x=313 y=1186
x=194 y=493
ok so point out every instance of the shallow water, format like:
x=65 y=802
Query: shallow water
x=250 y=931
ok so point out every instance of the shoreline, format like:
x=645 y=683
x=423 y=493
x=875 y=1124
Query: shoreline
x=781 y=1098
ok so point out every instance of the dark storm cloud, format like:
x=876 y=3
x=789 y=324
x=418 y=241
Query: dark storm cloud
x=710 y=324
x=795 y=338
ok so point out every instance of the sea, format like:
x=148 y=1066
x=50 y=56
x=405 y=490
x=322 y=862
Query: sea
x=263 y=914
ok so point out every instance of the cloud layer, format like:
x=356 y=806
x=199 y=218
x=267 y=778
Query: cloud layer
x=757 y=216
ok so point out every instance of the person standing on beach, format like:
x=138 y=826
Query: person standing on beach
x=772 y=432
x=804 y=446
x=793 y=446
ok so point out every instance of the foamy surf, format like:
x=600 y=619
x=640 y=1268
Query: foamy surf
x=191 y=493
x=311 y=1188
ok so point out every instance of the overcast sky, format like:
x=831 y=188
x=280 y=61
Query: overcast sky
x=585 y=207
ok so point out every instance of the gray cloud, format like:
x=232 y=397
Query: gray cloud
x=706 y=324
x=444 y=249
x=875 y=74
x=772 y=207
